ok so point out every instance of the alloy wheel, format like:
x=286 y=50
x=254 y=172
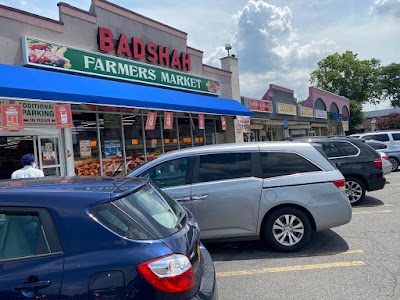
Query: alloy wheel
x=288 y=230
x=354 y=191
x=395 y=163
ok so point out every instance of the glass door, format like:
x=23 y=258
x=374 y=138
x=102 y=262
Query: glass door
x=49 y=155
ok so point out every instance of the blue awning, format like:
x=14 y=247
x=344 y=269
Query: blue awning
x=21 y=82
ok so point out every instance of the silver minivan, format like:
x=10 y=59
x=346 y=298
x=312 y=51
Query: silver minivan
x=389 y=137
x=278 y=191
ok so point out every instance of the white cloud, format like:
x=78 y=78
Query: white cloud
x=385 y=8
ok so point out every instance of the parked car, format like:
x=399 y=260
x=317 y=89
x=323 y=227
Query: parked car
x=392 y=151
x=390 y=137
x=386 y=164
x=278 y=191
x=101 y=238
x=360 y=164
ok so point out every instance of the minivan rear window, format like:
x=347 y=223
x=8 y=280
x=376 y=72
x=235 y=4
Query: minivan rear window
x=377 y=137
x=148 y=213
x=285 y=163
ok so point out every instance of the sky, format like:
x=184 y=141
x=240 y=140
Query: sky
x=276 y=41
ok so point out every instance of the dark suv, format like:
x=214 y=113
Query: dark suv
x=99 y=238
x=360 y=164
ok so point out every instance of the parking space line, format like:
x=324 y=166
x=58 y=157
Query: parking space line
x=343 y=264
x=367 y=206
x=372 y=212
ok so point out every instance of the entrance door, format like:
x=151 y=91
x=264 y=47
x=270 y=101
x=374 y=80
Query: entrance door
x=49 y=155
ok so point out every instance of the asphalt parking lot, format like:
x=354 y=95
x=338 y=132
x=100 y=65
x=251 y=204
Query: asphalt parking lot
x=360 y=260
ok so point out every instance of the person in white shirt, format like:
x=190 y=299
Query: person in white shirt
x=29 y=170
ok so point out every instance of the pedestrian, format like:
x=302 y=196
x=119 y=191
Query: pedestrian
x=29 y=168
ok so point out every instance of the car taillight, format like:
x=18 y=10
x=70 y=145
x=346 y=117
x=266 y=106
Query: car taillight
x=385 y=157
x=169 y=274
x=378 y=163
x=340 y=184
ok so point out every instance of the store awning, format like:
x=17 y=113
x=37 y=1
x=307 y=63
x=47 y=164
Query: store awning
x=21 y=82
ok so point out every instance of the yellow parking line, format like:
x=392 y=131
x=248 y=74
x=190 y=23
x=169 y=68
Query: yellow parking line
x=372 y=212
x=352 y=252
x=293 y=268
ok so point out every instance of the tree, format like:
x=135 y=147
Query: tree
x=391 y=121
x=356 y=116
x=347 y=76
x=390 y=83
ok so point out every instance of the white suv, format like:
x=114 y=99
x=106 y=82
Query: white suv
x=386 y=137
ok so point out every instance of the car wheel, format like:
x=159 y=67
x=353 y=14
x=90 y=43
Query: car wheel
x=395 y=163
x=355 y=190
x=287 y=229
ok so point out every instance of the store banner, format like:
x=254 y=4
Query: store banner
x=12 y=117
x=49 y=55
x=168 y=120
x=306 y=112
x=201 y=121
x=244 y=124
x=259 y=105
x=223 y=123
x=63 y=116
x=320 y=114
x=345 y=125
x=286 y=109
x=151 y=120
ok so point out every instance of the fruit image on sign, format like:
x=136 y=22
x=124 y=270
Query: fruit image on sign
x=47 y=54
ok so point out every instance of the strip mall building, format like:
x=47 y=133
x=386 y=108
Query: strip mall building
x=102 y=91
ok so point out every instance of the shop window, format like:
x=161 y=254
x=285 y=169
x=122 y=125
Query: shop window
x=134 y=141
x=198 y=134
x=85 y=144
x=111 y=144
x=185 y=132
x=153 y=140
x=209 y=131
x=170 y=137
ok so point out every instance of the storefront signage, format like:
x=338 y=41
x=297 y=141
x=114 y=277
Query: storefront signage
x=112 y=148
x=151 y=120
x=286 y=109
x=12 y=117
x=63 y=116
x=306 y=112
x=320 y=114
x=259 y=105
x=37 y=113
x=345 y=125
x=85 y=148
x=139 y=50
x=223 y=123
x=200 y=118
x=244 y=124
x=44 y=54
x=168 y=120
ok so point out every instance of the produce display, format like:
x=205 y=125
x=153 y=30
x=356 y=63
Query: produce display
x=47 y=54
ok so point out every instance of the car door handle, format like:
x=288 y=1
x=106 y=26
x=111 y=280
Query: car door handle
x=32 y=286
x=183 y=198
x=200 y=197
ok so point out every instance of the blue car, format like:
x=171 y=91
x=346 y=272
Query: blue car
x=99 y=239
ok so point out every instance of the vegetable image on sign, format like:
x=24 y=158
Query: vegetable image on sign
x=201 y=121
x=223 y=123
x=151 y=121
x=168 y=120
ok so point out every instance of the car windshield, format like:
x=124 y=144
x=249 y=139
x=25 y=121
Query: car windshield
x=148 y=213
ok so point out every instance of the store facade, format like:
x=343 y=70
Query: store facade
x=130 y=87
x=278 y=116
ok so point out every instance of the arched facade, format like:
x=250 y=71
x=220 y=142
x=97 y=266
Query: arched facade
x=319 y=104
x=334 y=108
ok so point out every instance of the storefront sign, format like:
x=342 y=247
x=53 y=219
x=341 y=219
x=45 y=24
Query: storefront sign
x=259 y=105
x=320 y=114
x=168 y=120
x=85 y=149
x=12 y=117
x=286 y=109
x=55 y=56
x=223 y=123
x=200 y=118
x=256 y=126
x=306 y=112
x=345 y=125
x=63 y=116
x=112 y=148
x=36 y=113
x=151 y=120
x=139 y=50
x=244 y=124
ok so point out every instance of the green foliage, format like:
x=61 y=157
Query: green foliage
x=356 y=116
x=347 y=76
x=390 y=83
